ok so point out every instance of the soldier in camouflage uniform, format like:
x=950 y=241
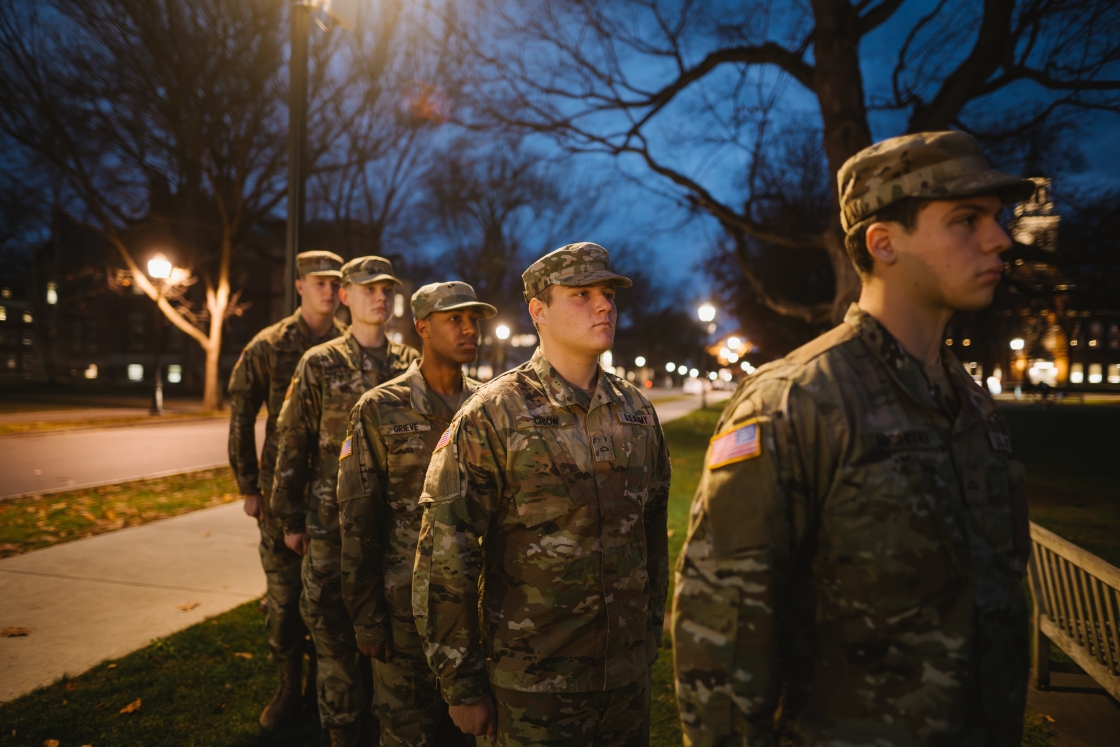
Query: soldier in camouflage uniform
x=327 y=384
x=262 y=375
x=852 y=573
x=393 y=430
x=541 y=571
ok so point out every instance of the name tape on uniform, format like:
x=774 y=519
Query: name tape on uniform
x=393 y=430
x=735 y=446
x=634 y=418
x=346 y=448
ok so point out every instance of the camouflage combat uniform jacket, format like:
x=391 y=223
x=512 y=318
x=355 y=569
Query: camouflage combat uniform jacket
x=262 y=375
x=560 y=515
x=327 y=384
x=855 y=558
x=393 y=430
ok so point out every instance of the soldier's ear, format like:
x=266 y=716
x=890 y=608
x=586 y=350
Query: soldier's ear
x=536 y=310
x=423 y=328
x=880 y=242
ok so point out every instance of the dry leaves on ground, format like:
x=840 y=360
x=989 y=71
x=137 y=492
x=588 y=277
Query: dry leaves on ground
x=189 y=606
x=132 y=707
x=14 y=632
x=50 y=743
x=243 y=655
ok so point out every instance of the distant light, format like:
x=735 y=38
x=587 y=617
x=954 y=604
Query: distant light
x=159 y=267
x=135 y=372
x=734 y=343
x=174 y=374
x=396 y=337
x=398 y=305
x=725 y=374
x=994 y=386
x=670 y=367
x=694 y=373
x=91 y=372
x=733 y=357
x=713 y=375
x=639 y=361
x=949 y=342
x=747 y=367
x=485 y=373
x=1096 y=373
x=1076 y=374
x=502 y=332
x=707 y=312
x=3 y=314
x=27 y=317
x=724 y=353
x=606 y=360
x=52 y=294
x=966 y=342
x=1018 y=343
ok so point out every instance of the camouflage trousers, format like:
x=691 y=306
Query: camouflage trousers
x=406 y=696
x=286 y=631
x=610 y=718
x=342 y=695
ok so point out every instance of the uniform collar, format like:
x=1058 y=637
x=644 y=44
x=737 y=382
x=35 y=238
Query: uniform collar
x=559 y=391
x=904 y=368
x=421 y=394
x=309 y=337
x=393 y=351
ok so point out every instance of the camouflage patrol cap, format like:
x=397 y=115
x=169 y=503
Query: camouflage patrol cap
x=928 y=165
x=435 y=297
x=366 y=270
x=318 y=263
x=572 y=266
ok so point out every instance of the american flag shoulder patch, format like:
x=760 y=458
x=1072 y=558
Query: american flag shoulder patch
x=346 y=448
x=445 y=439
x=735 y=446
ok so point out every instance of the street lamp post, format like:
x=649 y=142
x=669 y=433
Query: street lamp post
x=297 y=146
x=159 y=270
x=502 y=332
x=706 y=313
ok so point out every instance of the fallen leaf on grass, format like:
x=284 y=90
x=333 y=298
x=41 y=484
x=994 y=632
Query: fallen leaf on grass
x=132 y=707
x=243 y=655
x=50 y=743
x=189 y=606
x=15 y=632
x=669 y=533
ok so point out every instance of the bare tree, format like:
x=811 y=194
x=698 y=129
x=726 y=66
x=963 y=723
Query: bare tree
x=687 y=90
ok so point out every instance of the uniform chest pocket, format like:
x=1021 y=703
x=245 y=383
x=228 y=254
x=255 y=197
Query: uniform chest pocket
x=549 y=481
x=407 y=460
x=637 y=440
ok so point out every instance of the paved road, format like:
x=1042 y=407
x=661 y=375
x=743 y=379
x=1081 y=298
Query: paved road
x=48 y=461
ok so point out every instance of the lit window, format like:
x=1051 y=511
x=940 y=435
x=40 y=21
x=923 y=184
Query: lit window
x=174 y=374
x=398 y=305
x=91 y=372
x=1076 y=373
x=135 y=372
x=1114 y=373
x=52 y=294
x=11 y=361
x=1096 y=373
x=27 y=317
x=3 y=314
x=1114 y=337
x=6 y=293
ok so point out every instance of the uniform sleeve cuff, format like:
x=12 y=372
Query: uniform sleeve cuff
x=466 y=690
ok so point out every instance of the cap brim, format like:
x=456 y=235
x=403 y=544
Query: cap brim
x=598 y=276
x=1010 y=189
x=374 y=279
x=323 y=274
x=486 y=309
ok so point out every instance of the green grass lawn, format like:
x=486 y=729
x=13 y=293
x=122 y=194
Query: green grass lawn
x=195 y=690
x=41 y=520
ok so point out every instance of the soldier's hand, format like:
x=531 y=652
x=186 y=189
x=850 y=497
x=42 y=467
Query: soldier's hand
x=297 y=543
x=381 y=651
x=478 y=718
x=254 y=505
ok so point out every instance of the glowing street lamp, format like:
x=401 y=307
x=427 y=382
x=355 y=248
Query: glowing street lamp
x=1018 y=343
x=502 y=332
x=682 y=370
x=670 y=367
x=734 y=343
x=706 y=312
x=640 y=361
x=159 y=267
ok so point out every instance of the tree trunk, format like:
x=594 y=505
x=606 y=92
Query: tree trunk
x=838 y=84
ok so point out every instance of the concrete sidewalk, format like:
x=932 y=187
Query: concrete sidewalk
x=1083 y=713
x=106 y=596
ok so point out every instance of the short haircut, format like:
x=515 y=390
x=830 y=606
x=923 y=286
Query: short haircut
x=545 y=295
x=904 y=212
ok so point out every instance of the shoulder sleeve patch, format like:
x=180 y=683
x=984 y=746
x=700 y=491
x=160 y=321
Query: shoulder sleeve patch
x=445 y=439
x=347 y=448
x=735 y=445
